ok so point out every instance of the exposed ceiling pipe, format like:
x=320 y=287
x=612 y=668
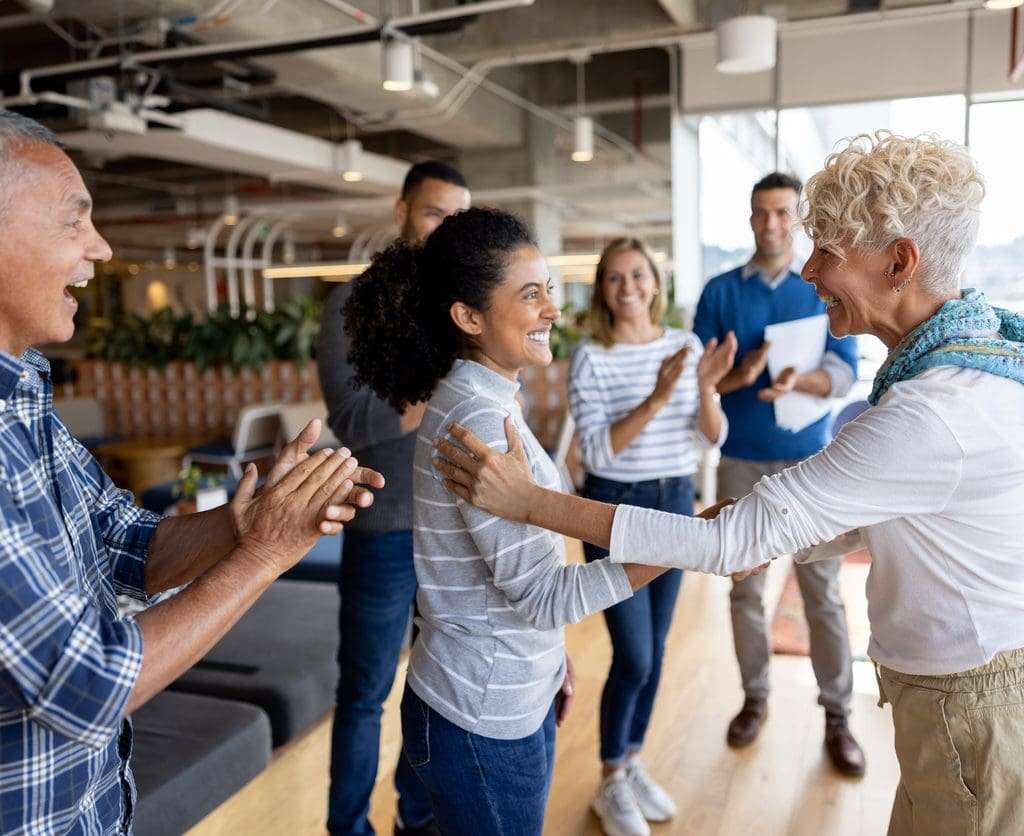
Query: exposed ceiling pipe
x=409 y=25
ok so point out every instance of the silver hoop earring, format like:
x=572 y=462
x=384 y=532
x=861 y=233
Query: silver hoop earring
x=897 y=288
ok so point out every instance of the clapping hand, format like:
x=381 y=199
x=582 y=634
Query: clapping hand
x=668 y=375
x=716 y=362
x=782 y=385
x=753 y=363
x=341 y=508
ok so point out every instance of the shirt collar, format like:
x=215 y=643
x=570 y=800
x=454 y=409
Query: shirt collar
x=24 y=369
x=486 y=381
x=752 y=269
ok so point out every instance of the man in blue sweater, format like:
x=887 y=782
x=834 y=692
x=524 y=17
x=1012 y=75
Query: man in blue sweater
x=764 y=291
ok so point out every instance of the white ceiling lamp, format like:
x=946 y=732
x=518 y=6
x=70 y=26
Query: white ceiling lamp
x=231 y=210
x=398 y=62
x=340 y=228
x=582 y=126
x=351 y=163
x=583 y=139
x=170 y=258
x=747 y=44
x=1003 y=4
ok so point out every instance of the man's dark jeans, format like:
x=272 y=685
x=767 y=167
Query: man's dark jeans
x=378 y=590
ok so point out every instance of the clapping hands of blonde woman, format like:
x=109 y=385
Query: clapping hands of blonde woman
x=716 y=362
x=668 y=375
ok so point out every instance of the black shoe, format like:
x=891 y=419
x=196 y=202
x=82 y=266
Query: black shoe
x=744 y=728
x=843 y=750
x=429 y=829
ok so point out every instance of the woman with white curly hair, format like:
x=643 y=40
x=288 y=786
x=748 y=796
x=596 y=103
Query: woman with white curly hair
x=932 y=475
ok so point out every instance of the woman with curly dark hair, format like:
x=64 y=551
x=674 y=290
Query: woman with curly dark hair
x=454 y=321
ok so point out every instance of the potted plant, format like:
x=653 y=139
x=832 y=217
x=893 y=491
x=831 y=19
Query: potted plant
x=191 y=480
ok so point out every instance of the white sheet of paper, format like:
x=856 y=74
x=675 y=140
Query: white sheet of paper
x=801 y=344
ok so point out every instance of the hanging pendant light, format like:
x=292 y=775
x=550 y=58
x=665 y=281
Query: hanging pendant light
x=231 y=210
x=397 y=65
x=746 y=44
x=583 y=139
x=340 y=228
x=582 y=126
x=352 y=161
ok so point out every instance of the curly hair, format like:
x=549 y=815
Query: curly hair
x=402 y=336
x=883 y=187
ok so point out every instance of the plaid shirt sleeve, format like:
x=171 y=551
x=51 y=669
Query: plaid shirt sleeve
x=123 y=526
x=63 y=661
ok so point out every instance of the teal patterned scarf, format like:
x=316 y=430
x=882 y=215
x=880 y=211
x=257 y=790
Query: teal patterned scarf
x=963 y=333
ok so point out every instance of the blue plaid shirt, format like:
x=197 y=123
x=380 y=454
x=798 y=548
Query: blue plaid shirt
x=70 y=542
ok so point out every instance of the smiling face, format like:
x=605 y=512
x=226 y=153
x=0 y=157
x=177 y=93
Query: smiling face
x=629 y=287
x=430 y=203
x=515 y=330
x=48 y=244
x=772 y=213
x=853 y=286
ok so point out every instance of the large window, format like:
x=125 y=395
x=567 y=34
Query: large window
x=997 y=266
x=736 y=150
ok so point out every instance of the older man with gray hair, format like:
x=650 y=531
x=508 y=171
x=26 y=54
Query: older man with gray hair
x=72 y=669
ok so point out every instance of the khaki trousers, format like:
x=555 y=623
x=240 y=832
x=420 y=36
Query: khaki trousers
x=823 y=608
x=960 y=746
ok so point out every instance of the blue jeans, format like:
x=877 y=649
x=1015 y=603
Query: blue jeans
x=638 y=625
x=479 y=785
x=378 y=589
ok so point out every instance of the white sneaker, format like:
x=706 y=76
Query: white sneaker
x=653 y=801
x=617 y=808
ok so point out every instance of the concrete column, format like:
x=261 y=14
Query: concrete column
x=687 y=257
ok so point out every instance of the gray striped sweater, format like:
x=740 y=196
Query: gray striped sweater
x=493 y=595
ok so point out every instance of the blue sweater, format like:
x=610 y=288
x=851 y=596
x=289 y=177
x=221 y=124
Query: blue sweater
x=746 y=306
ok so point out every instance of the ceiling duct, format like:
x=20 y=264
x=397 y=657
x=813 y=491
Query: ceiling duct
x=226 y=142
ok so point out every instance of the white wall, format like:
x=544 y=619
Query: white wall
x=854 y=60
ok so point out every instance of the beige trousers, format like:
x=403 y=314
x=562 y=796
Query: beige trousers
x=960 y=746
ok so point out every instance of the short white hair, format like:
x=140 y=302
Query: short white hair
x=882 y=187
x=16 y=132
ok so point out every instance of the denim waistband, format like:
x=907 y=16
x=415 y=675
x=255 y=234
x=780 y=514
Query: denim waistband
x=1004 y=670
x=615 y=483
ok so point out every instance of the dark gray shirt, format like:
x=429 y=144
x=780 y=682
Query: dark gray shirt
x=364 y=423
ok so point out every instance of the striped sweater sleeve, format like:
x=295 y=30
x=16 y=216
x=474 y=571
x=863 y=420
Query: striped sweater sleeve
x=527 y=563
x=586 y=403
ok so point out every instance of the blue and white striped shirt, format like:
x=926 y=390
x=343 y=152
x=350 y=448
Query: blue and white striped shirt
x=606 y=384
x=70 y=542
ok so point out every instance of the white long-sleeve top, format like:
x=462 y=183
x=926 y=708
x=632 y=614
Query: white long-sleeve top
x=933 y=476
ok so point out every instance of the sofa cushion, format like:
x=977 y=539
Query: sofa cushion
x=191 y=754
x=280 y=656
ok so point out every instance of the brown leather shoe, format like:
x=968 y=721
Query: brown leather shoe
x=843 y=750
x=744 y=728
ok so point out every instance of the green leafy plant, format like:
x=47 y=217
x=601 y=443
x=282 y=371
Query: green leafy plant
x=567 y=332
x=193 y=479
x=250 y=339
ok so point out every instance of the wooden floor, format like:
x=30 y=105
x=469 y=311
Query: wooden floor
x=782 y=784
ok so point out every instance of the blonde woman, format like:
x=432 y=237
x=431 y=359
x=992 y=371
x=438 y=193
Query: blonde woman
x=932 y=475
x=644 y=400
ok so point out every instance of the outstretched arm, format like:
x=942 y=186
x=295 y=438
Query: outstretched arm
x=507 y=489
